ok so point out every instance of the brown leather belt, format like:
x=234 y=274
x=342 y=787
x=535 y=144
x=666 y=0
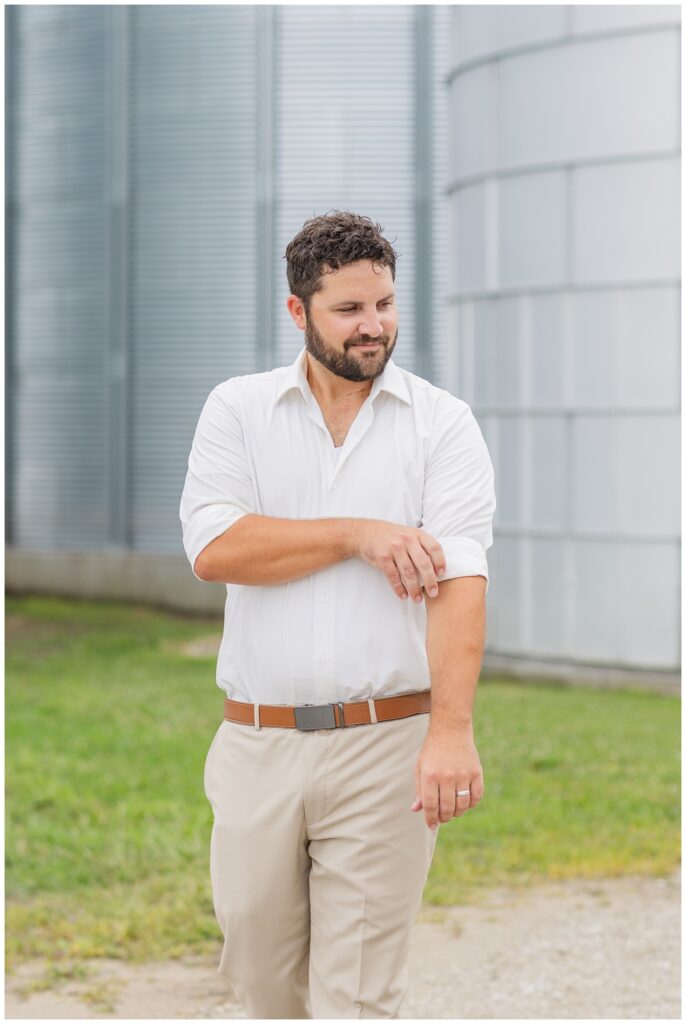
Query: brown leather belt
x=308 y=717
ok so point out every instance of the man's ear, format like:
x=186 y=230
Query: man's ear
x=297 y=311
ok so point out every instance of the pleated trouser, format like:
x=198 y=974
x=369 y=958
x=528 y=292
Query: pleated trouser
x=317 y=865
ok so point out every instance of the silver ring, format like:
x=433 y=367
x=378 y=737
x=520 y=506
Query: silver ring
x=463 y=792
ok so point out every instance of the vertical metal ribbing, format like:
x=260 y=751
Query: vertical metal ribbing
x=423 y=134
x=266 y=127
x=12 y=12
x=117 y=185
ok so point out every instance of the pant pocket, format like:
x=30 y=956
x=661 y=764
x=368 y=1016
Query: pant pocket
x=208 y=763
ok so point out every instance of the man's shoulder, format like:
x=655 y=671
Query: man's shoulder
x=433 y=398
x=248 y=383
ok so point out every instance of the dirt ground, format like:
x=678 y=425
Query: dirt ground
x=574 y=949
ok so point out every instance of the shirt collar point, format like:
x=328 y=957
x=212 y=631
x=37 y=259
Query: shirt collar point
x=391 y=380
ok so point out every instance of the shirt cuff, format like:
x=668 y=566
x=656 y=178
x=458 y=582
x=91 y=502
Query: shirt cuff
x=205 y=526
x=463 y=557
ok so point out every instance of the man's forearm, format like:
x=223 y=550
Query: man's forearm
x=259 y=550
x=455 y=635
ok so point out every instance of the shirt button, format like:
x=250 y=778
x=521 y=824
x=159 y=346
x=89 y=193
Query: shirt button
x=324 y=600
x=323 y=657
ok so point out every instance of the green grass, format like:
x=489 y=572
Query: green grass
x=578 y=783
x=107 y=826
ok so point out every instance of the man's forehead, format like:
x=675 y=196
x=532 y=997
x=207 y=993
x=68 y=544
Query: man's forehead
x=354 y=275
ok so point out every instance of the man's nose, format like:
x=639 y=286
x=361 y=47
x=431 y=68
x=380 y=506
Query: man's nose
x=371 y=328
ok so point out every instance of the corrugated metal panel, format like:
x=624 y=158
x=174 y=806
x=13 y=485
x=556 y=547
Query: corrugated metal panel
x=194 y=272
x=443 y=339
x=145 y=167
x=565 y=298
x=346 y=139
x=60 y=279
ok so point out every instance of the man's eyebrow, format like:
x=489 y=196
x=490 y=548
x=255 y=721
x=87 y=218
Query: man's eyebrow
x=351 y=302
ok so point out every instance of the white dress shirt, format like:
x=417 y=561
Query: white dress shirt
x=414 y=454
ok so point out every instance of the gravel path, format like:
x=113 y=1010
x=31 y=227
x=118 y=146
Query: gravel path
x=600 y=949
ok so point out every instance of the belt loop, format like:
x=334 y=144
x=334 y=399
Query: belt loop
x=256 y=712
x=372 y=710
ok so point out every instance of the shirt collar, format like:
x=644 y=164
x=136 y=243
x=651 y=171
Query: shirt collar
x=391 y=380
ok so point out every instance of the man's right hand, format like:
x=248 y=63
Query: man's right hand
x=400 y=552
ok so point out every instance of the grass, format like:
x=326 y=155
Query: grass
x=108 y=723
x=578 y=784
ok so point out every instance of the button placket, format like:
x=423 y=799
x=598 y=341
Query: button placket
x=359 y=428
x=324 y=633
x=324 y=606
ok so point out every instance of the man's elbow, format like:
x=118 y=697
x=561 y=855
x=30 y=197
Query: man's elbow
x=199 y=569
x=205 y=567
x=215 y=563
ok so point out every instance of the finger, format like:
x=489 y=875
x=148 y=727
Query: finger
x=477 y=790
x=430 y=802
x=409 y=577
x=447 y=800
x=417 y=805
x=393 y=577
x=463 y=802
x=426 y=568
x=408 y=573
x=435 y=552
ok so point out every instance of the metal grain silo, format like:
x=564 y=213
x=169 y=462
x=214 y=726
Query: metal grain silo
x=564 y=324
x=160 y=157
x=133 y=144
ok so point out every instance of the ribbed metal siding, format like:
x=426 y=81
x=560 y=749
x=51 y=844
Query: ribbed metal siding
x=58 y=380
x=194 y=271
x=363 y=155
x=565 y=308
x=167 y=228
x=443 y=341
x=346 y=139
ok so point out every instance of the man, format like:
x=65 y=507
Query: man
x=331 y=496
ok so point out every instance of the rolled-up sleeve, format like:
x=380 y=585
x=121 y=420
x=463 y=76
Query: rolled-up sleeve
x=218 y=490
x=458 y=501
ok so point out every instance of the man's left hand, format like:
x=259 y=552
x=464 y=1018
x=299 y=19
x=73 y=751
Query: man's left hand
x=448 y=761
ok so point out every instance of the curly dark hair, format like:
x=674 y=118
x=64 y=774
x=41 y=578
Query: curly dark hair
x=333 y=240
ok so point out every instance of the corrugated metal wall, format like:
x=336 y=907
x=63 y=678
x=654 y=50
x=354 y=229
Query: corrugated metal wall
x=356 y=86
x=57 y=354
x=193 y=268
x=346 y=137
x=161 y=157
x=565 y=285
x=165 y=155
x=443 y=342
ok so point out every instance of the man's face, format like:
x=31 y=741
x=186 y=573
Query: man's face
x=355 y=305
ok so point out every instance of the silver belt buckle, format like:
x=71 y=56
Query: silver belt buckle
x=317 y=716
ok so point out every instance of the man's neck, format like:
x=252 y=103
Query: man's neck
x=351 y=392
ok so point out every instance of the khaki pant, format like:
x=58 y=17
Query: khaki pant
x=317 y=865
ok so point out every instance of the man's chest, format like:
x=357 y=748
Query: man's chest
x=338 y=423
x=354 y=462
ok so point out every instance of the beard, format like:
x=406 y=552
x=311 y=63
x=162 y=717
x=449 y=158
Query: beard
x=359 y=365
